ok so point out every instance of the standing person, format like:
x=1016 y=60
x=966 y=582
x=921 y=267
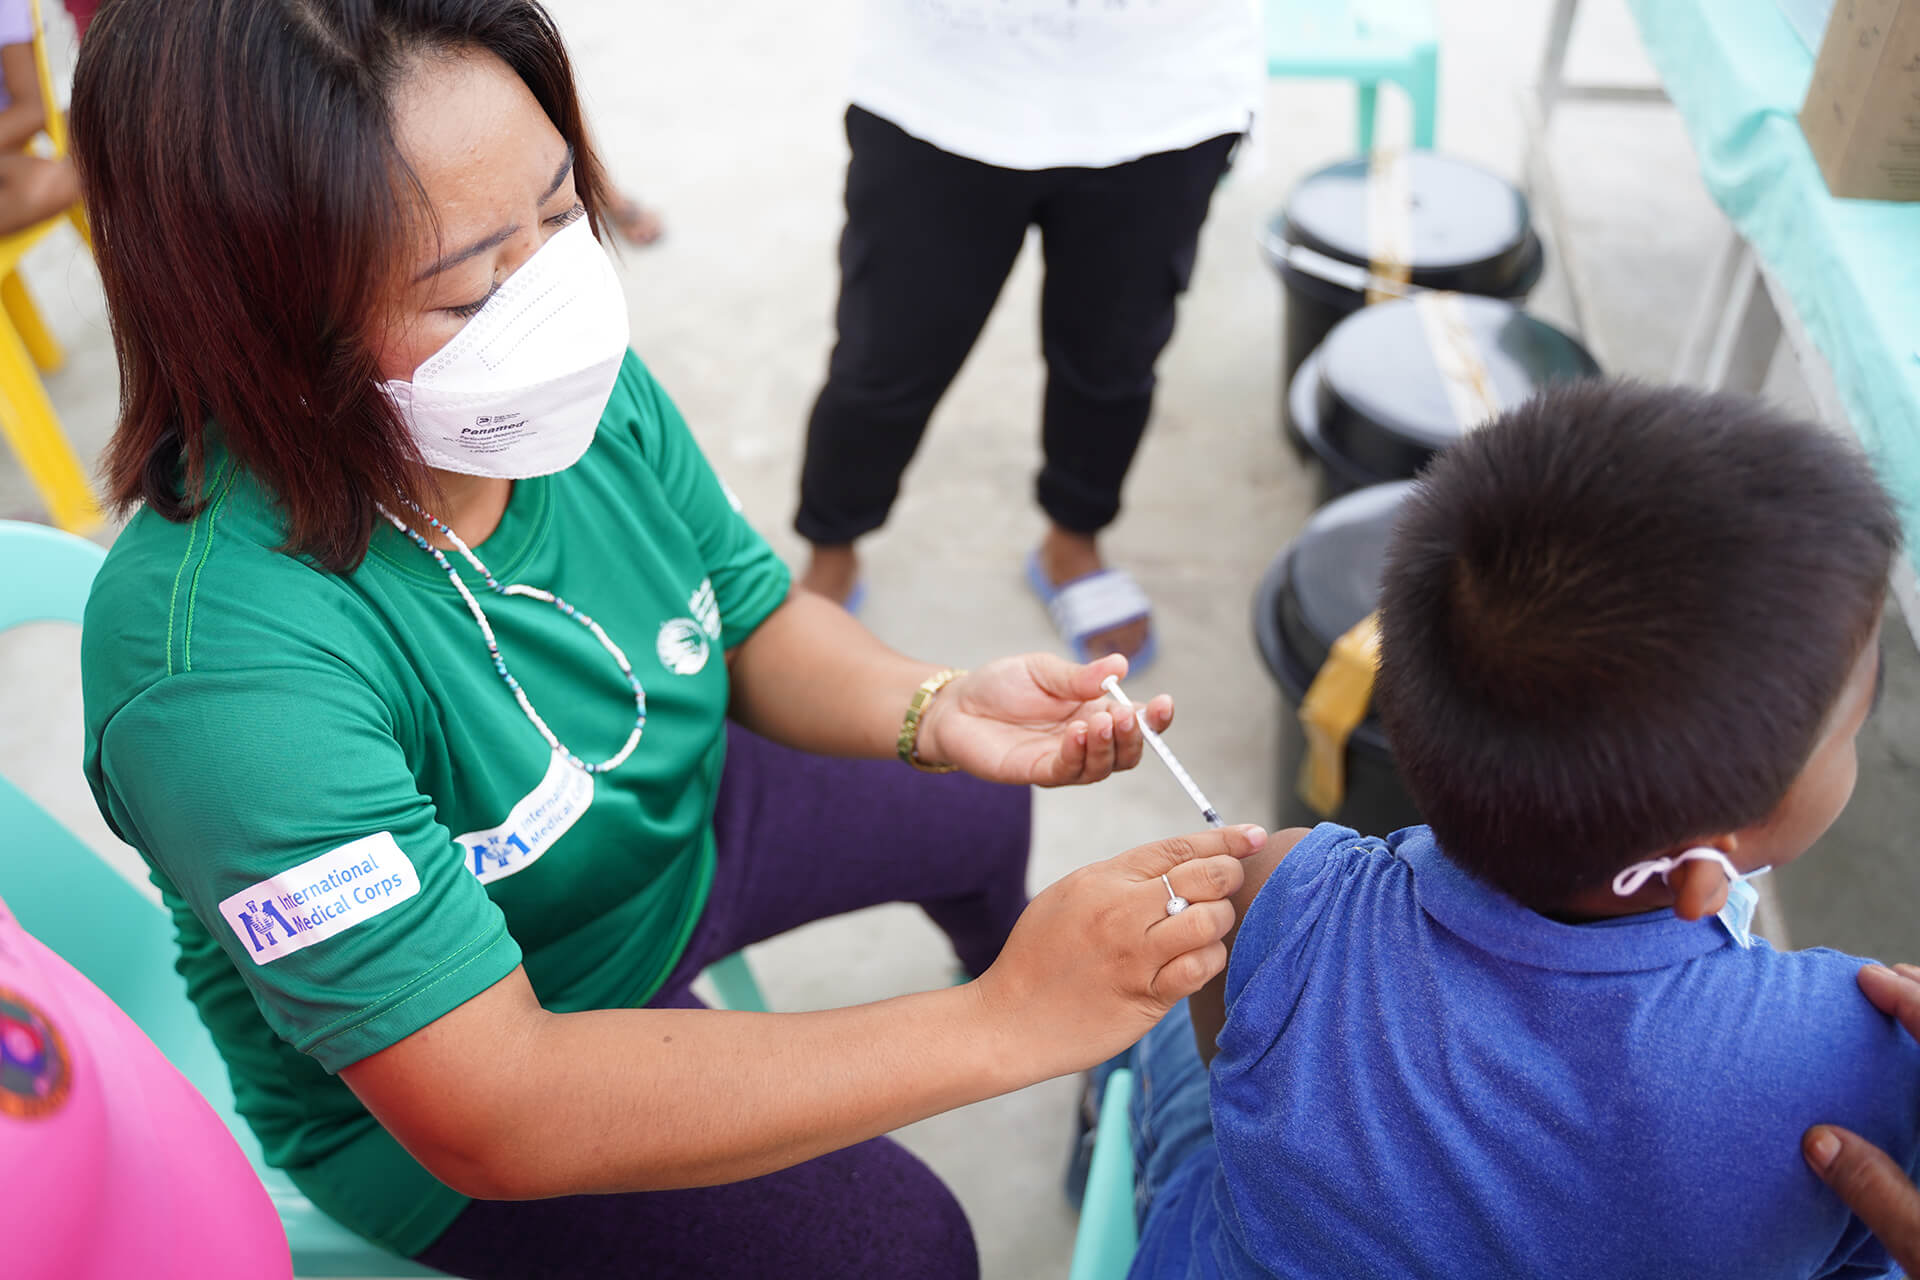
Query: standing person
x=444 y=853
x=1105 y=125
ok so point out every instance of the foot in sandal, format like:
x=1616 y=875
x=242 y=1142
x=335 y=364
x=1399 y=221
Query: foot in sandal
x=1095 y=609
x=634 y=222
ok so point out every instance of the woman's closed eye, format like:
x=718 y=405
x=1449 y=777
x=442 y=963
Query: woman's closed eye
x=467 y=310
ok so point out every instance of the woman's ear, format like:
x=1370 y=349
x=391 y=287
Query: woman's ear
x=1700 y=884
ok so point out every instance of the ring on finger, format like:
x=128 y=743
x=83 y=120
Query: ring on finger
x=1175 y=903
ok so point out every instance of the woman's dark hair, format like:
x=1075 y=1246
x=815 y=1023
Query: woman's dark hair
x=250 y=207
x=1617 y=619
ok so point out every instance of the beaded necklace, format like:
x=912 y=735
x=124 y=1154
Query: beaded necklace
x=493 y=645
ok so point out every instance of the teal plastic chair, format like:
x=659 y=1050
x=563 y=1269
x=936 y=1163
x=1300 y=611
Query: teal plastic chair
x=78 y=905
x=733 y=980
x=86 y=911
x=1104 y=1246
x=1366 y=41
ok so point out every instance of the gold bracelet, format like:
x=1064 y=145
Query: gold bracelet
x=910 y=727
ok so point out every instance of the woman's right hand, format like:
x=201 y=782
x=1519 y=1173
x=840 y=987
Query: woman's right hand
x=503 y=1100
x=1096 y=960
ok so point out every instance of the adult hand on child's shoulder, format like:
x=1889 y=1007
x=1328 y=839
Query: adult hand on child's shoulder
x=1860 y=1173
x=1096 y=960
x=1208 y=1007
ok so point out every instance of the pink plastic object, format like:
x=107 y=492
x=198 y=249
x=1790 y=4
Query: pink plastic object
x=111 y=1165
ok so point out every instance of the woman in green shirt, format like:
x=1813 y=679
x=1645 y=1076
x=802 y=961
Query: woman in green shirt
x=443 y=851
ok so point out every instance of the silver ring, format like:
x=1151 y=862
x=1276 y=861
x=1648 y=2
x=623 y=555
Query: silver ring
x=1175 y=903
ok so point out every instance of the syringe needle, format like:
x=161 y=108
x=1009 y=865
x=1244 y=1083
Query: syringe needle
x=1112 y=685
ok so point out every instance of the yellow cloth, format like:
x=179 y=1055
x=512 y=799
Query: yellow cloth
x=1335 y=704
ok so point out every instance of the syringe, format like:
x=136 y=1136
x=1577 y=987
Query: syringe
x=1112 y=685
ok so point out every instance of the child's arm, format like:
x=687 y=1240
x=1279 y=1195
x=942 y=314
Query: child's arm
x=1208 y=1005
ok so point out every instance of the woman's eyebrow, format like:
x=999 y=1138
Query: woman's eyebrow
x=505 y=233
x=459 y=256
x=560 y=174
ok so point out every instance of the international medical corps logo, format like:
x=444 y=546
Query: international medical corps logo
x=492 y=856
x=35 y=1071
x=261 y=921
x=684 y=644
x=321 y=897
x=541 y=817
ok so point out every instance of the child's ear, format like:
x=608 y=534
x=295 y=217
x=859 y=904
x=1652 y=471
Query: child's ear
x=1700 y=885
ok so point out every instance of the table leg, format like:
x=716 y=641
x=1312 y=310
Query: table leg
x=1553 y=62
x=1749 y=334
x=1710 y=310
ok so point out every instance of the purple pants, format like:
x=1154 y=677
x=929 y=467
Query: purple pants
x=800 y=838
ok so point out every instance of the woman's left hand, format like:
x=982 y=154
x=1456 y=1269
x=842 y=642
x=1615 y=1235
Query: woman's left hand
x=1039 y=720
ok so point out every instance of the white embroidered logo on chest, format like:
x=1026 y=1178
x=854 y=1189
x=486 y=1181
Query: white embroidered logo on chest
x=322 y=896
x=684 y=644
x=543 y=815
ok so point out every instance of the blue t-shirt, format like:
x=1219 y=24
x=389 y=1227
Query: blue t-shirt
x=1419 y=1077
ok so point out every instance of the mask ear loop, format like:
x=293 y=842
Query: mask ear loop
x=1634 y=878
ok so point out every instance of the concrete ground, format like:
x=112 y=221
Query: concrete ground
x=728 y=119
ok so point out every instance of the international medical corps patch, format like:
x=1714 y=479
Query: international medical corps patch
x=319 y=898
x=35 y=1071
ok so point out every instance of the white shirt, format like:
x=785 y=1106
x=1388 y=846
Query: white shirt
x=1038 y=84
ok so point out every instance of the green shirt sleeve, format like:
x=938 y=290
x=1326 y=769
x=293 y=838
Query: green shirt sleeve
x=279 y=805
x=749 y=580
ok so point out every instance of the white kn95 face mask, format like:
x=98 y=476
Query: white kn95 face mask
x=519 y=391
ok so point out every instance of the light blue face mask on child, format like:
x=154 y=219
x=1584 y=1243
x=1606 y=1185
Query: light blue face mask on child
x=1736 y=917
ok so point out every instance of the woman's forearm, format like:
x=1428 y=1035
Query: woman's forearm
x=812 y=677
x=501 y=1099
x=727 y=1096
x=19 y=123
x=646 y=1099
x=25 y=115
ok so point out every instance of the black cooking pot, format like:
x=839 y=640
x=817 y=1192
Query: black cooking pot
x=1372 y=405
x=1323 y=582
x=1468 y=231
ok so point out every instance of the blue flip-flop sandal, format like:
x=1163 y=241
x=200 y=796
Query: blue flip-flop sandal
x=1091 y=605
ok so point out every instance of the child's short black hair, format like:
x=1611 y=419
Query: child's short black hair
x=1616 y=619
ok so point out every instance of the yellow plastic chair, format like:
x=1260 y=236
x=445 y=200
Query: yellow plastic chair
x=27 y=418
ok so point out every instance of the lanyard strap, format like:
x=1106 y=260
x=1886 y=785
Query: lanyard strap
x=493 y=645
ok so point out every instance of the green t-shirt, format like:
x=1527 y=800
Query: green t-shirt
x=353 y=823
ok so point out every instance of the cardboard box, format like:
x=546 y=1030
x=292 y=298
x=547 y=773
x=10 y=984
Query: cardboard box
x=1862 y=114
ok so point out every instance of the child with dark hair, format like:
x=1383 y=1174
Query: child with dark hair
x=1628 y=638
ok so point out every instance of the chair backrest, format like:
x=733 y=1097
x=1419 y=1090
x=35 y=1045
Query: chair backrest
x=58 y=887
x=56 y=125
x=47 y=574
x=68 y=898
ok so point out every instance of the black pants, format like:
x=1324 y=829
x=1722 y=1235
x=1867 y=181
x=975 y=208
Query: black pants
x=929 y=240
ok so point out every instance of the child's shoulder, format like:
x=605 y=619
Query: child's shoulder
x=1299 y=877
x=1808 y=999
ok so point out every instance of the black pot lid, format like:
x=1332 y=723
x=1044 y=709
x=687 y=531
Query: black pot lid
x=1466 y=228
x=1382 y=401
x=1324 y=581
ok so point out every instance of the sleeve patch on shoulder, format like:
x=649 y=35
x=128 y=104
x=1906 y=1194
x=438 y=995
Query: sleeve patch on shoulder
x=321 y=897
